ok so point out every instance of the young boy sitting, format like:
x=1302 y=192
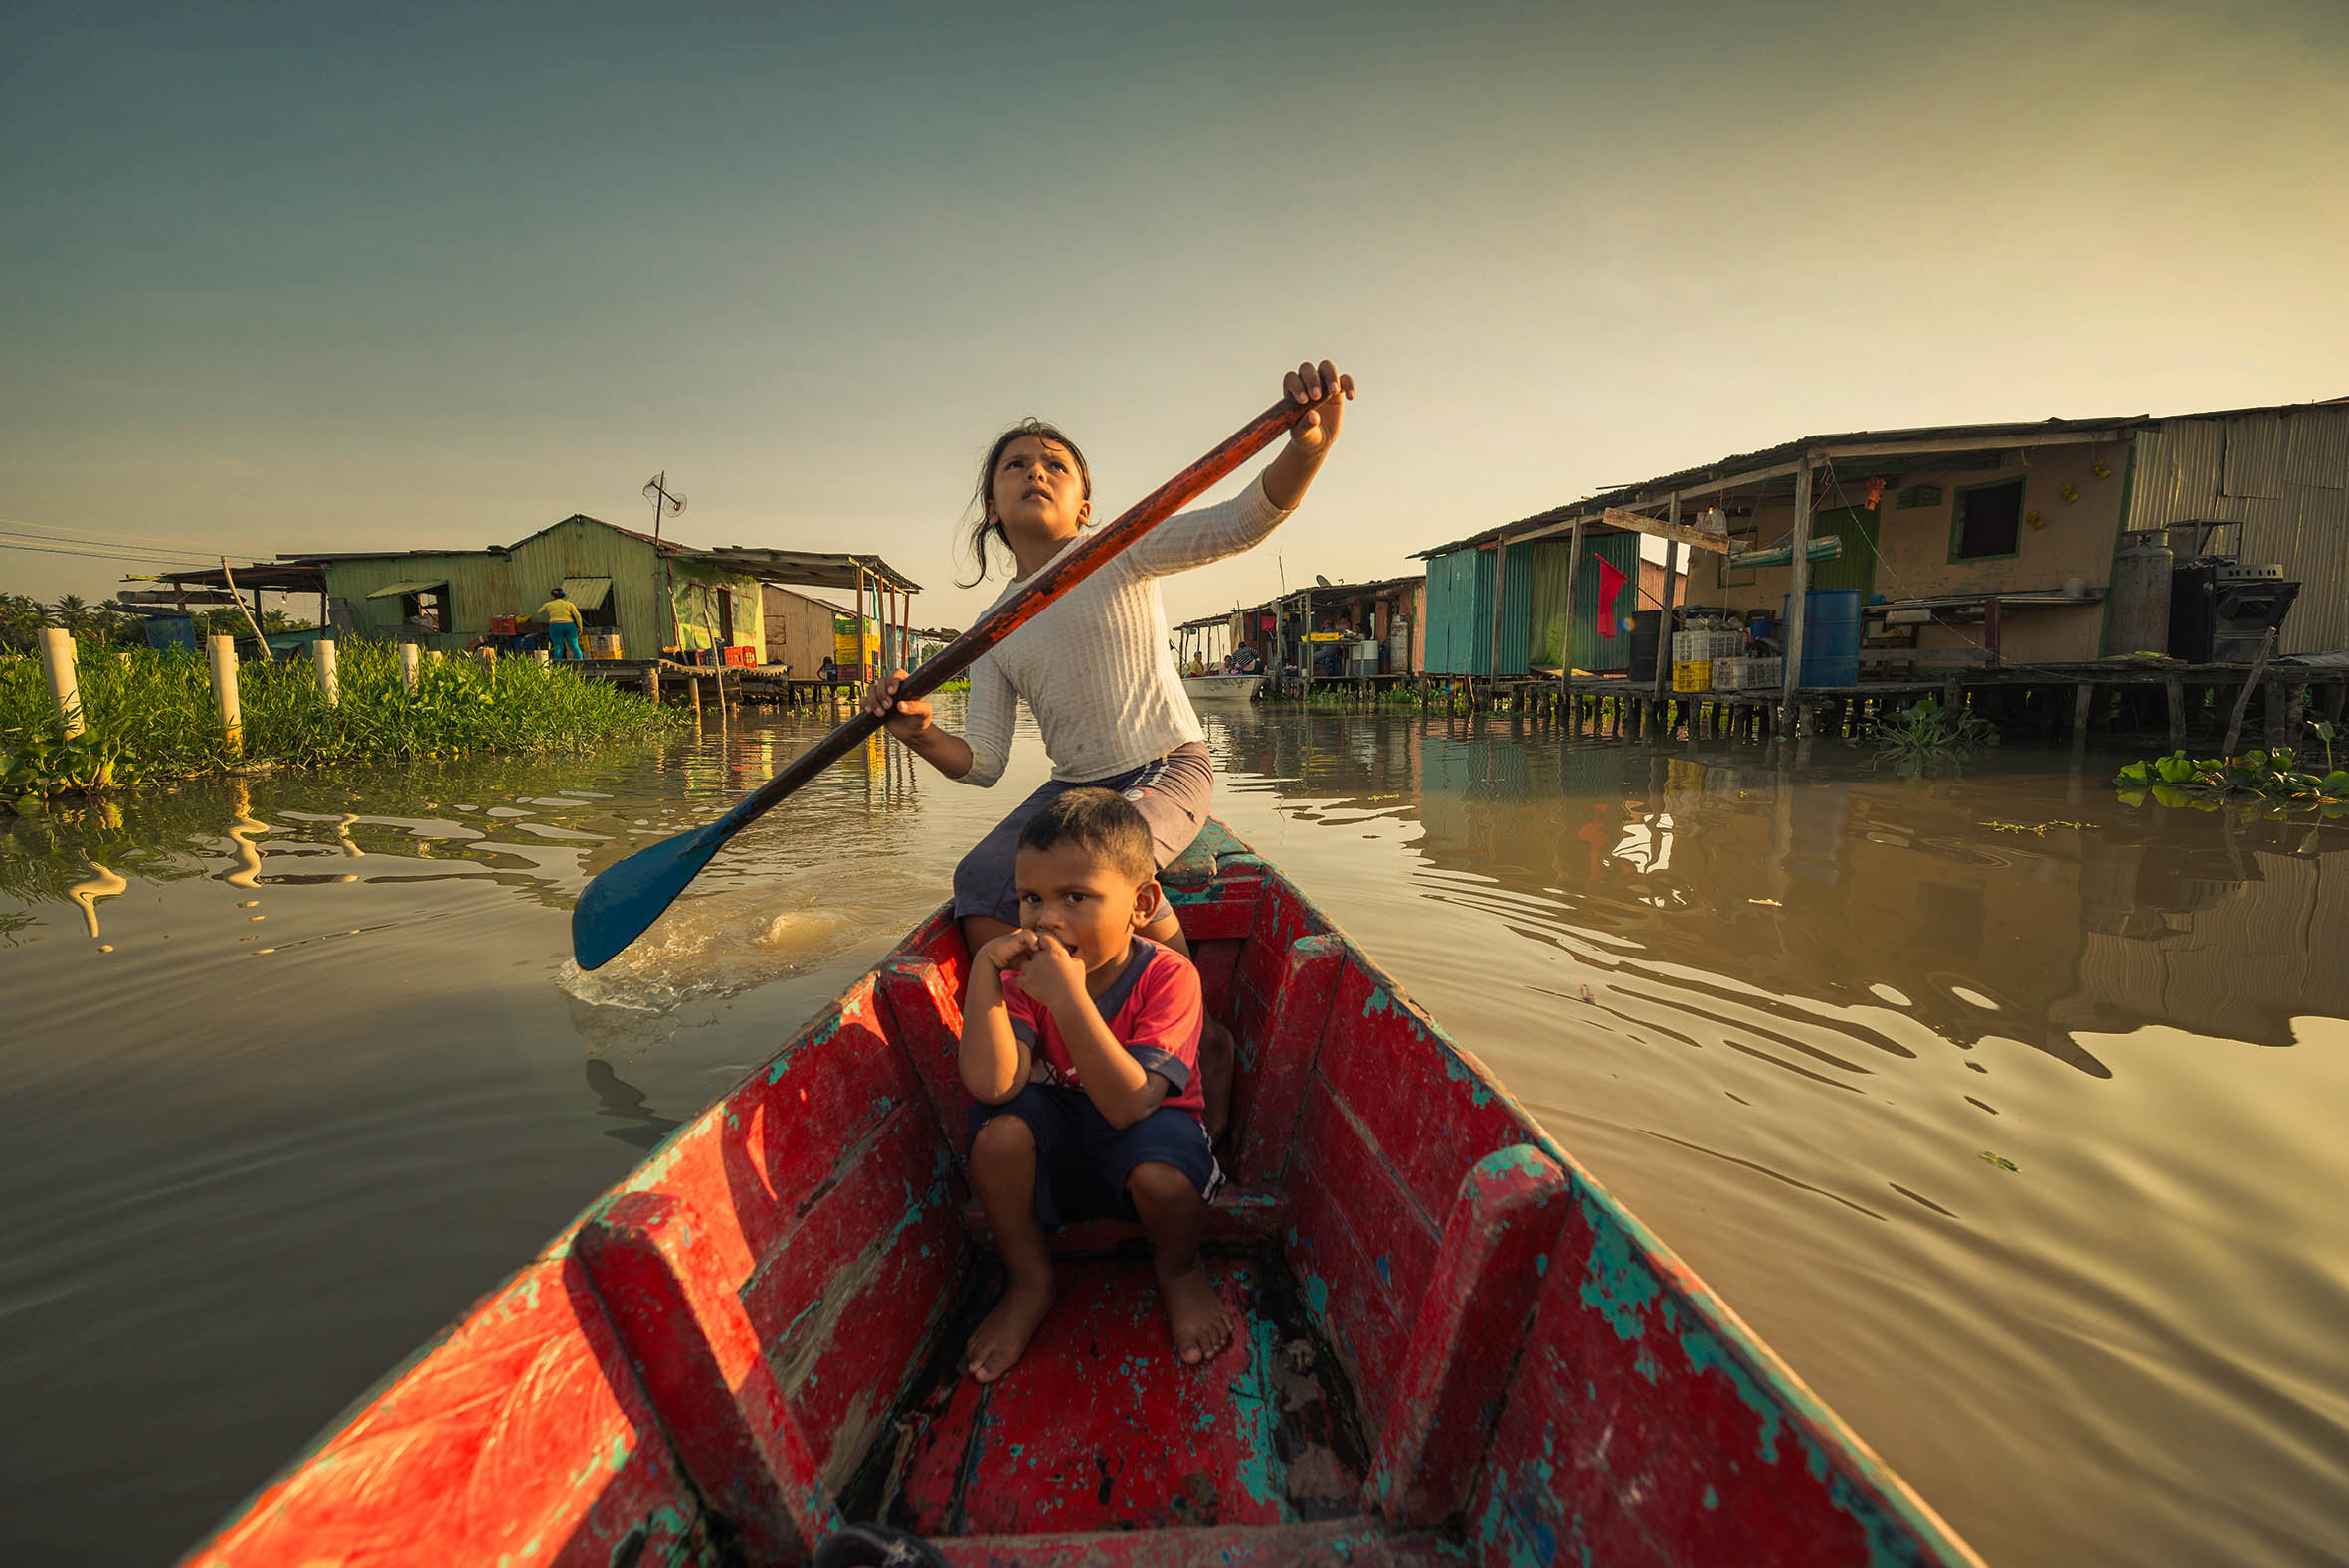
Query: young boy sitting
x=1080 y=1041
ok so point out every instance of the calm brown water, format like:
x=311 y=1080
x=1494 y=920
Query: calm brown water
x=335 y=1076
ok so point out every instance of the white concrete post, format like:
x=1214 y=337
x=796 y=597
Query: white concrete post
x=328 y=687
x=223 y=690
x=542 y=655
x=57 y=663
x=407 y=666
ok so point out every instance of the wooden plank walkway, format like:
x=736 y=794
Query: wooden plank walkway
x=2179 y=703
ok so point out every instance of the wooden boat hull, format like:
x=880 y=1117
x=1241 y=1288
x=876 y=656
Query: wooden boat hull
x=1223 y=688
x=1455 y=1346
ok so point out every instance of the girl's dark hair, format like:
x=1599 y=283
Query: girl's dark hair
x=991 y=526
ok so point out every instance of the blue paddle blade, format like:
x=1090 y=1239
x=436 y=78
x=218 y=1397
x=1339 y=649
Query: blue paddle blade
x=623 y=900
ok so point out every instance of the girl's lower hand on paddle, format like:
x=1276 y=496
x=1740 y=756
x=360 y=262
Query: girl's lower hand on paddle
x=905 y=720
x=1321 y=395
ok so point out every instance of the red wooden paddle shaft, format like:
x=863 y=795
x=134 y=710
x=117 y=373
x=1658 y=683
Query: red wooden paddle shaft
x=1043 y=590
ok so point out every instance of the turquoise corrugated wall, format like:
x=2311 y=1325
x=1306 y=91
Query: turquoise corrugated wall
x=1453 y=605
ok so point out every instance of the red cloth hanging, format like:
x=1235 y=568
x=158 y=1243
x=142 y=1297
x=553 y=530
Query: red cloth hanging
x=1610 y=584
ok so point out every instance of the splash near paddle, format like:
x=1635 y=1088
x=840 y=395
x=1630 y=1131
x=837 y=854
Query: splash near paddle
x=619 y=905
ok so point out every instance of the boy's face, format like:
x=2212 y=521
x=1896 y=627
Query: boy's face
x=1082 y=900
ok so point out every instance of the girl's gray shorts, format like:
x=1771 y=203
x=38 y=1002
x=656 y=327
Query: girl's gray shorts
x=1172 y=794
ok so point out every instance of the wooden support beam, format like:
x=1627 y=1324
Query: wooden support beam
x=1500 y=593
x=2176 y=691
x=1673 y=529
x=1566 y=674
x=1950 y=444
x=1798 y=588
x=1664 y=602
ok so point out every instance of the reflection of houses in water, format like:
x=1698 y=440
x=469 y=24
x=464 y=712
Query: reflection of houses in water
x=2214 y=939
x=1803 y=893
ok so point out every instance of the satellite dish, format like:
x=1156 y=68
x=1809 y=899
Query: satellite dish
x=663 y=499
x=1321 y=581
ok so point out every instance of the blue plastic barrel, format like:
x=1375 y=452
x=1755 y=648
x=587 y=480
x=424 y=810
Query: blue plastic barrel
x=1831 y=635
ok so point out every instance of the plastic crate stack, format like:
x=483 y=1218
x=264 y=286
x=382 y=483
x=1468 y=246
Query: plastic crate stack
x=1752 y=674
x=1693 y=655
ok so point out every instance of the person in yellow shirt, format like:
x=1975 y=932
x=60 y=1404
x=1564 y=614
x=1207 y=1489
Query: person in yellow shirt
x=560 y=616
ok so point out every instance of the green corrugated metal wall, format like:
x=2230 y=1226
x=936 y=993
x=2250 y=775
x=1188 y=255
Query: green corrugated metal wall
x=1517 y=611
x=1592 y=652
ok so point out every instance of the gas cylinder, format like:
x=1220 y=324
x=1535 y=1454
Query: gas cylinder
x=2141 y=601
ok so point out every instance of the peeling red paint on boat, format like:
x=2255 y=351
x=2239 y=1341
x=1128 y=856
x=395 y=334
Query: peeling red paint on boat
x=1453 y=1345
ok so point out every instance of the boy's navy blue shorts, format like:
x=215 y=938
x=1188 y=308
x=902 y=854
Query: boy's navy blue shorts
x=1083 y=1160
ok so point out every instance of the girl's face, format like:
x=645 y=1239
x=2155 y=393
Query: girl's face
x=1039 y=490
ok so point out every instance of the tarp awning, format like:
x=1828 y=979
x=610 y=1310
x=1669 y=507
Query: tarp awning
x=394 y=589
x=588 y=593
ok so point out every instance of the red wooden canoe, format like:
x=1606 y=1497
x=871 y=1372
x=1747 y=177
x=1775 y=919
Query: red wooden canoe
x=1457 y=1348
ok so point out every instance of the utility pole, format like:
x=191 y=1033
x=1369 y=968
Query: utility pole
x=664 y=505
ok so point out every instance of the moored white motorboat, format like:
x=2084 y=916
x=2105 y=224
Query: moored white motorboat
x=1223 y=688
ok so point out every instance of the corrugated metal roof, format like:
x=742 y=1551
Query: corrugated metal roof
x=1787 y=451
x=2318 y=454
x=2252 y=445
x=2181 y=466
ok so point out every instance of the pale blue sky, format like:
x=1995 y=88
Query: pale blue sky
x=311 y=277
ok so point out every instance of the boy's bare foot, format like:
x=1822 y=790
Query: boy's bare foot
x=997 y=1343
x=1195 y=1313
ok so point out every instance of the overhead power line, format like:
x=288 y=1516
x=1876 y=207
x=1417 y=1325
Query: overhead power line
x=105 y=536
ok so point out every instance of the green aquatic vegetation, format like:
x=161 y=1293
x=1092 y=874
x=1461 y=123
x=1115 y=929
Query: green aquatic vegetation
x=2039 y=828
x=1926 y=731
x=2181 y=780
x=2000 y=1160
x=151 y=717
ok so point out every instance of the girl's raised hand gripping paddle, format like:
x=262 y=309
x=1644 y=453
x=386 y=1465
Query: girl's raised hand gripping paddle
x=623 y=900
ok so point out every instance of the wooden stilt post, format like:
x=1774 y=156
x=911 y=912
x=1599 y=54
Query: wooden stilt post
x=2175 y=689
x=653 y=680
x=1662 y=681
x=1500 y=593
x=65 y=686
x=1566 y=674
x=1798 y=588
x=2242 y=698
x=223 y=655
x=329 y=687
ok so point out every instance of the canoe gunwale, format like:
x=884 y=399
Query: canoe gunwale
x=1692 y=1345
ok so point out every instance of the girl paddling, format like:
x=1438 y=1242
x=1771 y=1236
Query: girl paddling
x=1095 y=667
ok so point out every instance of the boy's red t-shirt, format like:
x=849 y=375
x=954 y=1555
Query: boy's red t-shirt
x=1154 y=1010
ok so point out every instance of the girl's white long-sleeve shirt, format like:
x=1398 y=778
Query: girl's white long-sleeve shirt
x=1095 y=667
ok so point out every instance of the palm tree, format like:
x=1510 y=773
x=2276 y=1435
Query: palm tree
x=21 y=620
x=118 y=622
x=71 y=612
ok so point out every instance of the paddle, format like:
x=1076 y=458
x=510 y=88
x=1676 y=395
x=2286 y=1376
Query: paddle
x=621 y=903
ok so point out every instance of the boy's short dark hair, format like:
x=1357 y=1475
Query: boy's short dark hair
x=1101 y=821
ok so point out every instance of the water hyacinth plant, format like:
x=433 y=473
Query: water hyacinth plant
x=2180 y=779
x=1926 y=731
x=151 y=717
